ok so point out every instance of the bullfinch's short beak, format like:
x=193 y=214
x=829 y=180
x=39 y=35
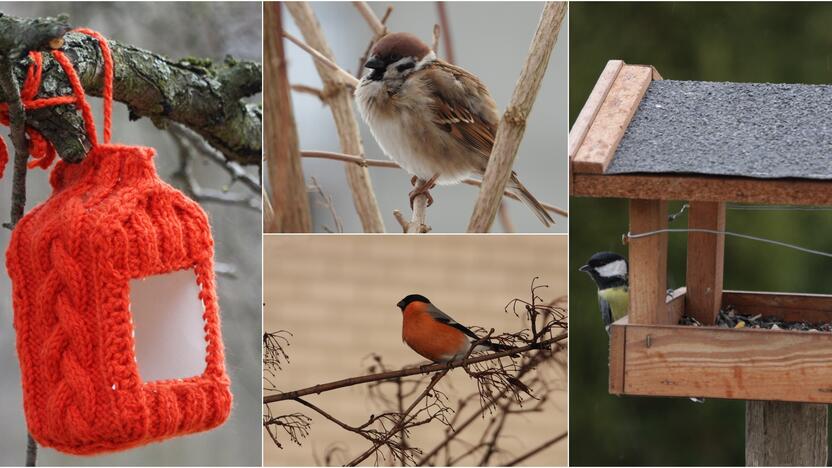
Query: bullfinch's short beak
x=400 y=305
x=374 y=63
x=584 y=268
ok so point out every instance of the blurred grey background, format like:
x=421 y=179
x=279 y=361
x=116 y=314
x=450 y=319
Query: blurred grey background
x=491 y=40
x=176 y=30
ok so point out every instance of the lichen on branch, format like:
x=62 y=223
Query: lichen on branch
x=203 y=96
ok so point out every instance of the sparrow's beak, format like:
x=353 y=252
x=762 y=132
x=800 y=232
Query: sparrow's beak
x=584 y=268
x=375 y=64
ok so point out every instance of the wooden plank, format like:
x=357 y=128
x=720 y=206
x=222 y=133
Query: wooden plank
x=618 y=333
x=648 y=262
x=704 y=188
x=786 y=434
x=592 y=105
x=726 y=363
x=705 y=260
x=602 y=138
x=791 y=307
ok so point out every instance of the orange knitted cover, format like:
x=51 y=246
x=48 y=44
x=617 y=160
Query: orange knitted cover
x=109 y=219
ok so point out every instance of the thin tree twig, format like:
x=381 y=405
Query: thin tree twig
x=513 y=123
x=366 y=54
x=418 y=221
x=17 y=123
x=426 y=369
x=372 y=20
x=445 y=24
x=317 y=92
x=403 y=419
x=31 y=451
x=538 y=449
x=392 y=165
x=339 y=73
x=288 y=188
x=341 y=105
x=436 y=34
x=505 y=218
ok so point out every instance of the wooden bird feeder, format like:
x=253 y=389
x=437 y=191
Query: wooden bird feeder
x=652 y=141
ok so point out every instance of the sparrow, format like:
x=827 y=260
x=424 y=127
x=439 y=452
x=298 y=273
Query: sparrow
x=436 y=336
x=436 y=120
x=609 y=272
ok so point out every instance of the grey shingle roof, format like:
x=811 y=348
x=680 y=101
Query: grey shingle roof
x=732 y=129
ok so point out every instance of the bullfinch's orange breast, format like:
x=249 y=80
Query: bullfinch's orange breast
x=431 y=339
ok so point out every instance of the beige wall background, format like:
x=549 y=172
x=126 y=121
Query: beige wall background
x=337 y=295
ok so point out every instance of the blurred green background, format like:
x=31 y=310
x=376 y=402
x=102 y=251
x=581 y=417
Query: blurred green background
x=743 y=42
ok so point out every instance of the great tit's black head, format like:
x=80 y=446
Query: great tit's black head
x=412 y=298
x=607 y=269
x=396 y=55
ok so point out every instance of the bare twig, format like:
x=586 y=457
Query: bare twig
x=513 y=123
x=329 y=204
x=372 y=20
x=17 y=123
x=445 y=24
x=288 y=188
x=505 y=218
x=338 y=72
x=427 y=369
x=341 y=105
x=366 y=54
x=436 y=34
x=31 y=451
x=537 y=449
x=317 y=92
x=403 y=418
x=392 y=165
x=418 y=222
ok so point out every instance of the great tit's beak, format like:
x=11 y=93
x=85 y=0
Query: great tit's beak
x=375 y=64
x=585 y=268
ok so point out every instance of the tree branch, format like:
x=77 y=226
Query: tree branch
x=513 y=123
x=392 y=165
x=288 y=187
x=341 y=104
x=204 y=97
x=538 y=449
x=426 y=369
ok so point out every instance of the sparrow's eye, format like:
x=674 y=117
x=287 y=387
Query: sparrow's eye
x=405 y=66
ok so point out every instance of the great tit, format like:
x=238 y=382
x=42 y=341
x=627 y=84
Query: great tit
x=609 y=271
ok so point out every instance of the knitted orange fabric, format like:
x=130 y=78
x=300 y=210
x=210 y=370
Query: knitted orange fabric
x=109 y=219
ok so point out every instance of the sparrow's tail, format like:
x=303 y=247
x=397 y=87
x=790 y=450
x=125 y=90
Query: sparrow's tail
x=530 y=201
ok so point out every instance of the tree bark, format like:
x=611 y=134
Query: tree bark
x=204 y=97
x=785 y=434
x=288 y=187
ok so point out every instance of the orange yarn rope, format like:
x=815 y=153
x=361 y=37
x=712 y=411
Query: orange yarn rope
x=42 y=151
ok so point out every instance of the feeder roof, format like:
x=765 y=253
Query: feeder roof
x=730 y=129
x=642 y=137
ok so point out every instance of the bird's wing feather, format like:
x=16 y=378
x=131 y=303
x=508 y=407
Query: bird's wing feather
x=472 y=122
x=606 y=313
x=442 y=317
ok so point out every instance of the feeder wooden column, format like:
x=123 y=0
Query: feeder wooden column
x=706 y=253
x=785 y=434
x=648 y=262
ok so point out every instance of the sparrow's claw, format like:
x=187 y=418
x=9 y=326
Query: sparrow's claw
x=413 y=180
x=423 y=190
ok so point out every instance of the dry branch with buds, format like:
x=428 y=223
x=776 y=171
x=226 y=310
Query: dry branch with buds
x=506 y=382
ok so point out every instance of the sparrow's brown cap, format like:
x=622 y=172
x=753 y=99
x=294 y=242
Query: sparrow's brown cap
x=398 y=45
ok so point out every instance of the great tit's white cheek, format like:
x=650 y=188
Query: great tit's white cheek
x=616 y=268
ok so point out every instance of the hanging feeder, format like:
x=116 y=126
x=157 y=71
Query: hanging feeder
x=110 y=220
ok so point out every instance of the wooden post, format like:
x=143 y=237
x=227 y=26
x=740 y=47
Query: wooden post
x=648 y=263
x=705 y=261
x=785 y=434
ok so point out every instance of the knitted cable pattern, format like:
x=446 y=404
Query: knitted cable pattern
x=109 y=219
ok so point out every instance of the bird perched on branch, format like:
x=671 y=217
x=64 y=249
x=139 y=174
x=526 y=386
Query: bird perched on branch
x=609 y=271
x=436 y=336
x=436 y=120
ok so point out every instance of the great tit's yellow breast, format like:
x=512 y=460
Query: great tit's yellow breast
x=619 y=300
